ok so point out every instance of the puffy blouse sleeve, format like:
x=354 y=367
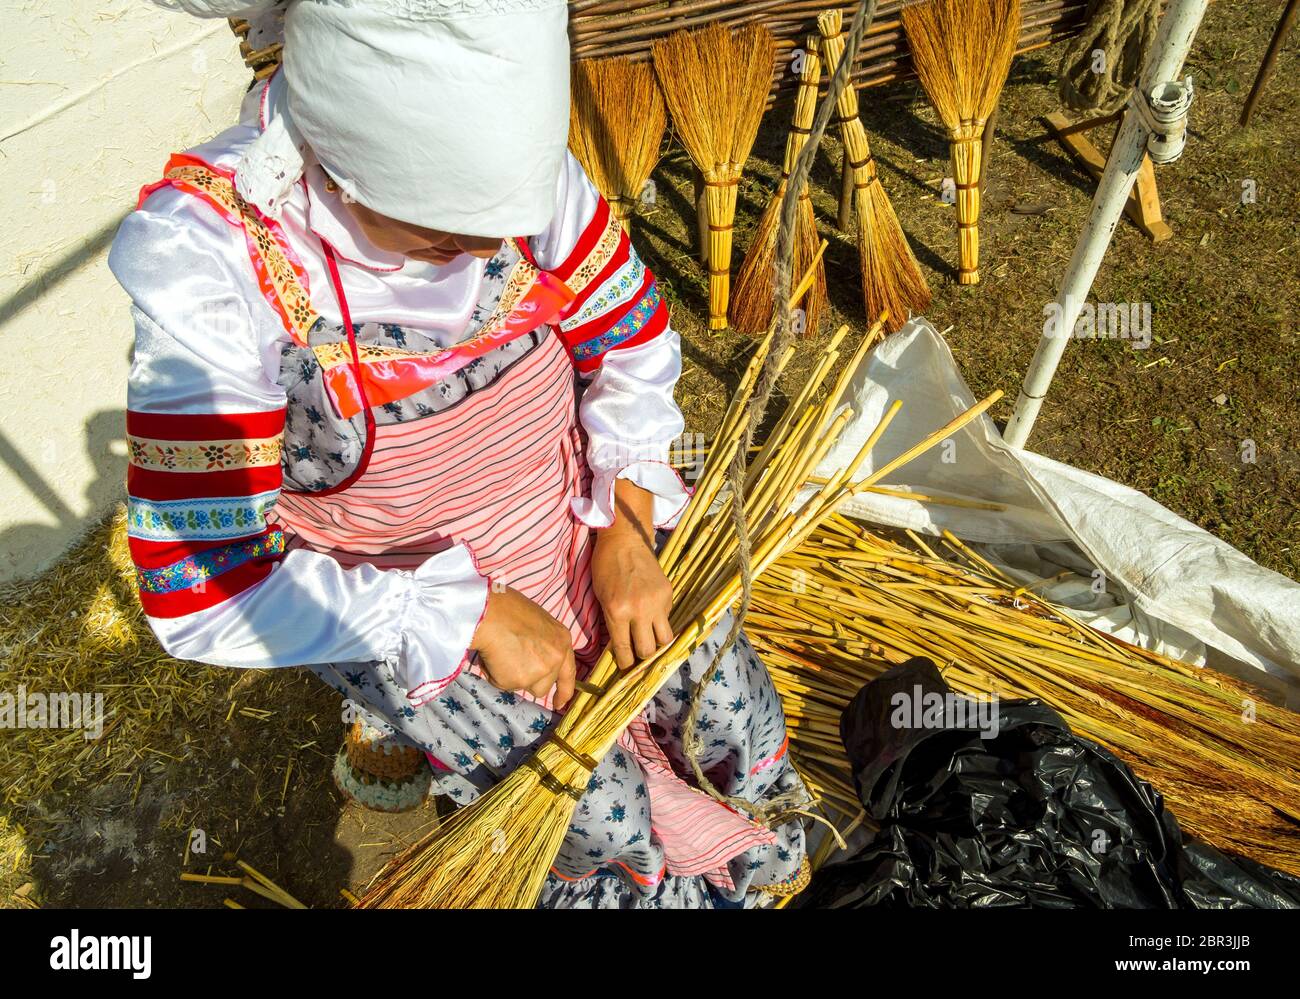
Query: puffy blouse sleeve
x=623 y=345
x=204 y=419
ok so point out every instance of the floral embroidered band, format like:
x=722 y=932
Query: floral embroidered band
x=194 y=570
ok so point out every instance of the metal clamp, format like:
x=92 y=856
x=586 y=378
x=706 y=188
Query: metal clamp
x=1163 y=114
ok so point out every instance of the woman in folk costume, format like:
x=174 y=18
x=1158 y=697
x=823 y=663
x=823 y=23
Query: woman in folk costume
x=400 y=411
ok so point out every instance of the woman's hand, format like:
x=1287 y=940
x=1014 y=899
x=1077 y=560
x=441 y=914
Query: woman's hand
x=633 y=591
x=523 y=648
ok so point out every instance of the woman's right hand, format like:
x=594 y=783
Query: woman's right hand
x=523 y=648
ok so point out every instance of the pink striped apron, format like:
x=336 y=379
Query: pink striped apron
x=494 y=473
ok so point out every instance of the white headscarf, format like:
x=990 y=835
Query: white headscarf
x=449 y=114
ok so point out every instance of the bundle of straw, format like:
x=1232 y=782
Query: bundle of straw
x=617 y=120
x=892 y=283
x=962 y=50
x=496 y=852
x=715 y=82
x=751 y=307
x=849 y=603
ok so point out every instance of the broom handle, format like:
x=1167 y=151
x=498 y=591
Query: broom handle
x=805 y=107
x=859 y=169
x=847 y=175
x=720 y=203
x=966 y=151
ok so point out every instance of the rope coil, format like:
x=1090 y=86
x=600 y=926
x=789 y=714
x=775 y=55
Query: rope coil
x=1120 y=32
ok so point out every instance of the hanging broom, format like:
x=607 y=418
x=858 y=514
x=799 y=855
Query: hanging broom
x=962 y=51
x=715 y=82
x=617 y=120
x=892 y=282
x=751 y=304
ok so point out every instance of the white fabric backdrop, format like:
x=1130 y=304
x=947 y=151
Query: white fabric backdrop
x=1169 y=585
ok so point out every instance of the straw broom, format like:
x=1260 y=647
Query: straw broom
x=751 y=306
x=864 y=602
x=962 y=51
x=892 y=282
x=617 y=120
x=496 y=852
x=715 y=82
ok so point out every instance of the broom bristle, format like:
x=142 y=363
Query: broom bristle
x=485 y=857
x=617 y=119
x=715 y=81
x=892 y=281
x=751 y=299
x=962 y=52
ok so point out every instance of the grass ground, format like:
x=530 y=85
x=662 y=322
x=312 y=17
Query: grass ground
x=1225 y=290
x=244 y=757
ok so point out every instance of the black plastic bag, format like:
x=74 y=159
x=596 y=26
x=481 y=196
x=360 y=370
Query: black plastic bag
x=997 y=804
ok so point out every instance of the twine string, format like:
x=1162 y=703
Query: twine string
x=777 y=808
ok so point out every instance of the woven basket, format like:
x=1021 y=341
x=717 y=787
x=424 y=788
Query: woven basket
x=378 y=773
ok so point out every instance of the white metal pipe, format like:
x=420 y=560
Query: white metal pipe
x=1163 y=64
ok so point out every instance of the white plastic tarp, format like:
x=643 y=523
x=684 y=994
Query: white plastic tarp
x=1131 y=567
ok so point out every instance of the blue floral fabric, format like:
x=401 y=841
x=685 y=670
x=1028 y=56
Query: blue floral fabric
x=610 y=858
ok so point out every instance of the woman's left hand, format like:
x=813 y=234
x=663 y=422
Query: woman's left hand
x=633 y=591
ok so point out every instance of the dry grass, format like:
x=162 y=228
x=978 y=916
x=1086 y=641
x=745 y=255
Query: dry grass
x=184 y=746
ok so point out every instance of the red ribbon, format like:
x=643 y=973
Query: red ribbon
x=400 y=377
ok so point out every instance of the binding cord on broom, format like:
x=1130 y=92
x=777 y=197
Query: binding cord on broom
x=1121 y=30
x=773 y=811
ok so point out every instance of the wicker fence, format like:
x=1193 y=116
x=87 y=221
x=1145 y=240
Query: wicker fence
x=600 y=28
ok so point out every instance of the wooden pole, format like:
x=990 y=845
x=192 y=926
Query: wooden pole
x=702 y=216
x=1270 y=59
x=845 y=219
x=1163 y=64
